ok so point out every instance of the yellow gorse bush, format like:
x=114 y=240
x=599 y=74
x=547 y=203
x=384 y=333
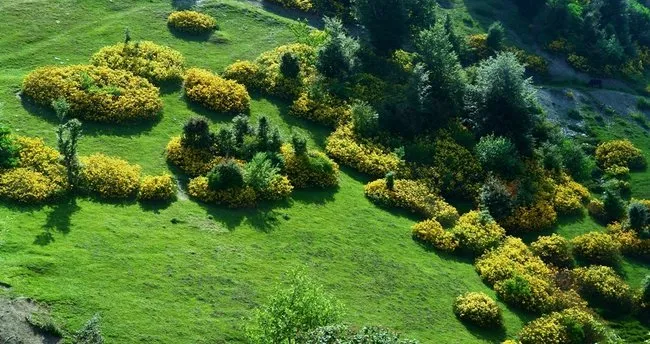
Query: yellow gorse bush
x=569 y=197
x=413 y=196
x=630 y=242
x=215 y=92
x=596 y=248
x=157 y=188
x=619 y=153
x=512 y=257
x=95 y=93
x=601 y=284
x=537 y=217
x=553 y=249
x=191 y=21
x=328 y=111
x=431 y=232
x=551 y=328
x=27 y=186
x=303 y=172
x=478 y=309
x=477 y=233
x=280 y=188
x=193 y=161
x=232 y=198
x=109 y=177
x=303 y=5
x=362 y=155
x=146 y=59
x=246 y=73
x=273 y=82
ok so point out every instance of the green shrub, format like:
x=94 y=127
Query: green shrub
x=638 y=216
x=570 y=326
x=645 y=290
x=289 y=65
x=90 y=333
x=495 y=37
x=337 y=57
x=227 y=174
x=478 y=309
x=192 y=22
x=643 y=103
x=157 y=188
x=554 y=250
x=312 y=169
x=145 y=59
x=613 y=204
x=8 y=149
x=495 y=199
x=597 y=248
x=260 y=172
x=196 y=133
x=365 y=120
x=341 y=334
x=619 y=153
x=109 y=177
x=497 y=154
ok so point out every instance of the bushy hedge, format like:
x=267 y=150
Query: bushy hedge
x=361 y=154
x=597 y=248
x=601 y=286
x=216 y=93
x=619 y=153
x=568 y=326
x=232 y=198
x=157 y=188
x=554 y=250
x=108 y=177
x=413 y=196
x=478 y=309
x=431 y=232
x=477 y=232
x=95 y=93
x=326 y=110
x=311 y=169
x=154 y=62
x=274 y=82
x=193 y=161
x=192 y=22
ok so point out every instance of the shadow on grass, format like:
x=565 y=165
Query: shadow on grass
x=183 y=4
x=314 y=195
x=219 y=117
x=492 y=335
x=58 y=219
x=215 y=37
x=155 y=206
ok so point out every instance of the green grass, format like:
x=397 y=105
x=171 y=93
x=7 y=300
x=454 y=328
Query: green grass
x=195 y=281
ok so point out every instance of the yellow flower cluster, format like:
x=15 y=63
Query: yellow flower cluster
x=597 y=248
x=146 y=59
x=312 y=169
x=280 y=188
x=431 y=232
x=552 y=328
x=619 y=153
x=232 y=198
x=413 y=196
x=477 y=233
x=559 y=45
x=273 y=82
x=362 y=155
x=596 y=209
x=95 y=93
x=534 y=63
x=601 y=285
x=193 y=161
x=215 y=92
x=303 y=5
x=478 y=309
x=629 y=241
x=554 y=250
x=157 y=188
x=191 y=21
x=537 y=217
x=246 y=73
x=569 y=197
x=478 y=44
x=37 y=156
x=109 y=177
x=328 y=111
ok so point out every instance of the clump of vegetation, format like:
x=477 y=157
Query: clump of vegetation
x=619 y=153
x=8 y=149
x=601 y=286
x=157 y=188
x=216 y=93
x=478 y=309
x=554 y=250
x=477 y=232
x=192 y=22
x=349 y=335
x=597 y=248
x=109 y=177
x=91 y=332
x=568 y=326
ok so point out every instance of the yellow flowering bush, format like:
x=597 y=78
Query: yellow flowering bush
x=215 y=92
x=146 y=59
x=431 y=232
x=619 y=153
x=95 y=93
x=478 y=44
x=600 y=285
x=280 y=188
x=27 y=186
x=478 y=309
x=328 y=111
x=246 y=73
x=232 y=198
x=36 y=156
x=109 y=177
x=578 y=62
x=533 y=293
x=191 y=21
x=477 y=233
x=537 y=217
x=303 y=5
x=569 y=197
x=273 y=82
x=629 y=241
x=360 y=154
x=597 y=248
x=193 y=161
x=512 y=257
x=157 y=188
x=413 y=196
x=311 y=169
x=560 y=45
x=559 y=328
x=596 y=209
x=554 y=250
x=457 y=170
x=534 y=63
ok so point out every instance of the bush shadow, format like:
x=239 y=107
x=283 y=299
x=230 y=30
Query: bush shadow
x=155 y=206
x=314 y=195
x=493 y=335
x=191 y=37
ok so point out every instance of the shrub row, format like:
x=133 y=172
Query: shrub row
x=191 y=160
x=602 y=287
x=597 y=248
x=192 y=22
x=303 y=5
x=95 y=93
x=216 y=93
x=630 y=242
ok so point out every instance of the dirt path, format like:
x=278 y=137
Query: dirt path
x=17 y=317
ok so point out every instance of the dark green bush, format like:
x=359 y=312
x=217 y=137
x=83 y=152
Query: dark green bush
x=390 y=180
x=90 y=333
x=341 y=334
x=8 y=149
x=637 y=215
x=497 y=154
x=495 y=198
x=365 y=119
x=196 y=133
x=226 y=175
x=290 y=65
x=645 y=290
x=260 y=172
x=299 y=143
x=496 y=36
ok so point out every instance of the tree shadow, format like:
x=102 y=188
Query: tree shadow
x=170 y=86
x=213 y=115
x=58 y=219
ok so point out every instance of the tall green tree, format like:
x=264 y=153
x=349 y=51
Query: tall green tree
x=337 y=56
x=9 y=150
x=68 y=134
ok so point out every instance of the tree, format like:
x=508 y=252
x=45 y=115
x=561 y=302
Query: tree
x=9 y=150
x=638 y=216
x=502 y=102
x=496 y=35
x=645 y=291
x=289 y=65
x=497 y=154
x=613 y=204
x=299 y=143
x=196 y=133
x=127 y=36
x=260 y=172
x=337 y=56
x=226 y=175
x=90 y=333
x=68 y=135
x=293 y=311
x=365 y=119
x=446 y=78
x=495 y=199
x=456 y=42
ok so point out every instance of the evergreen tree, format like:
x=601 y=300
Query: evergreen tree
x=68 y=135
x=337 y=57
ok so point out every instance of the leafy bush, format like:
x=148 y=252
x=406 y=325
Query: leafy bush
x=497 y=154
x=478 y=309
x=337 y=57
x=360 y=154
x=157 y=188
x=645 y=290
x=432 y=233
x=272 y=81
x=571 y=326
x=95 y=93
x=495 y=198
x=413 y=196
x=289 y=65
x=146 y=59
x=260 y=172
x=90 y=333
x=613 y=204
x=311 y=169
x=300 y=308
x=191 y=21
x=227 y=174
x=109 y=177
x=596 y=209
x=495 y=36
x=216 y=93
x=477 y=232
x=597 y=248
x=193 y=161
x=8 y=149
x=455 y=171
x=630 y=242
x=532 y=293
x=196 y=133
x=554 y=250
x=603 y=287
x=326 y=110
x=279 y=188
x=303 y=5
x=232 y=198
x=619 y=153
x=365 y=120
